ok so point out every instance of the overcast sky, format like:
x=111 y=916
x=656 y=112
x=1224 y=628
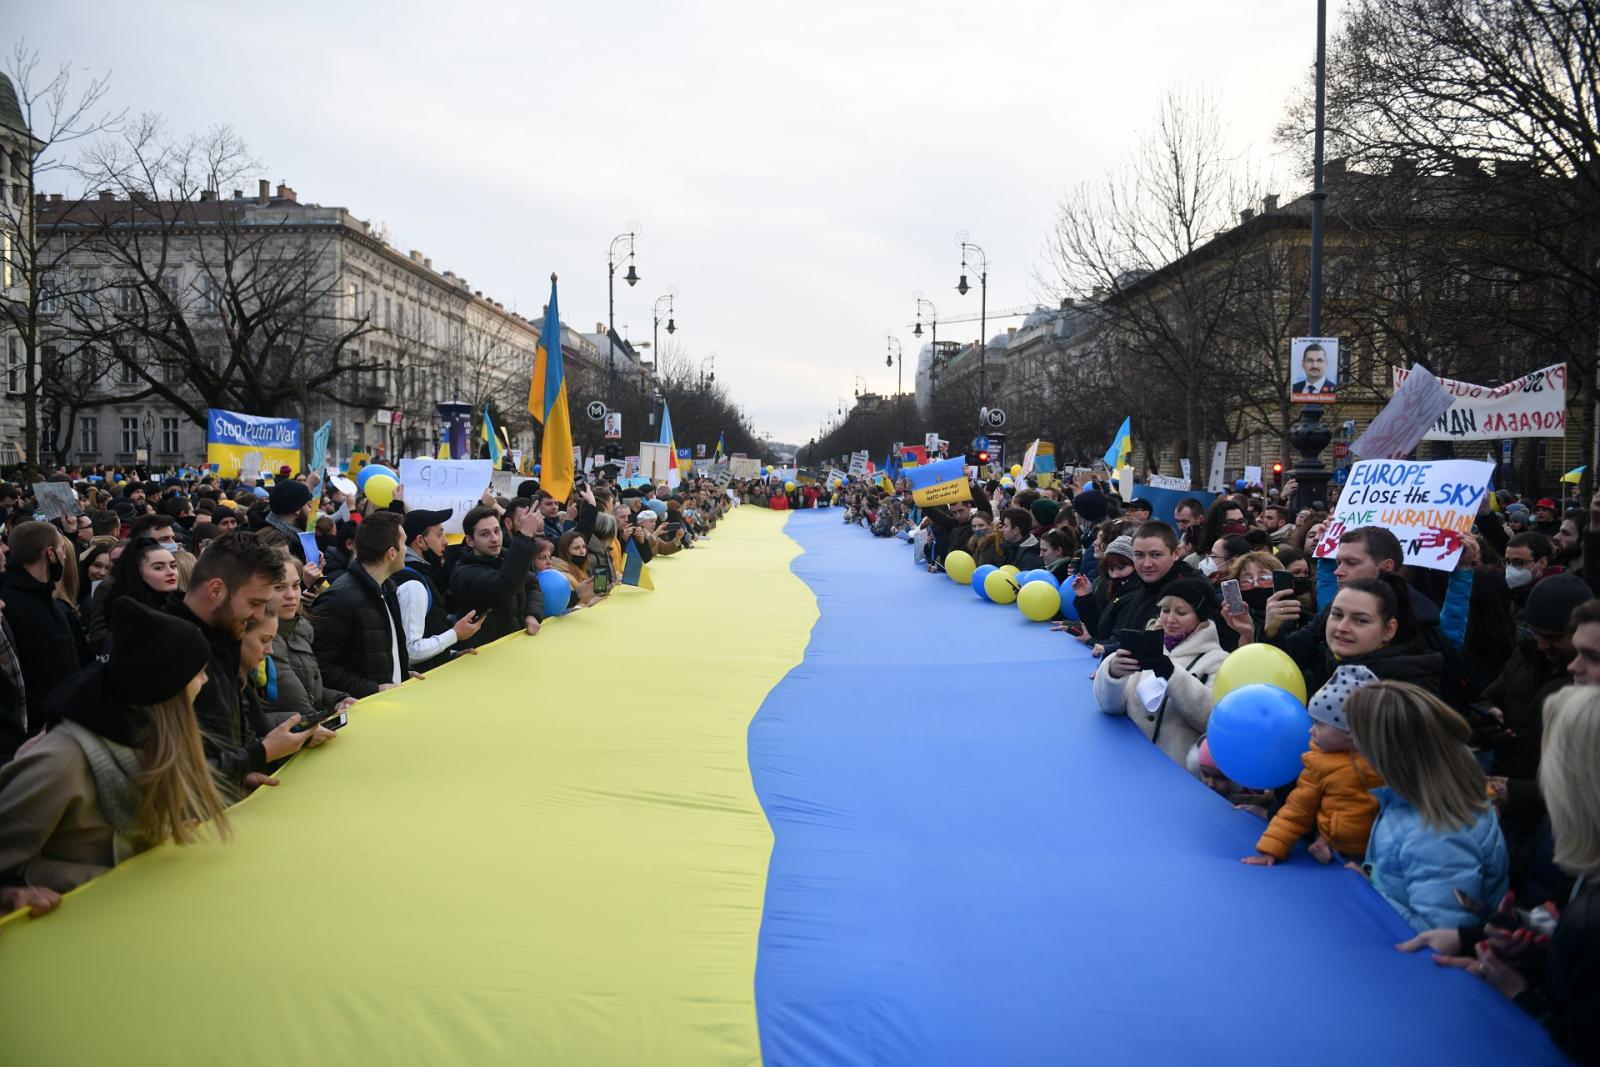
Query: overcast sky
x=799 y=170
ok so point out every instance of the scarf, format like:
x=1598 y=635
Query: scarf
x=114 y=767
x=1172 y=641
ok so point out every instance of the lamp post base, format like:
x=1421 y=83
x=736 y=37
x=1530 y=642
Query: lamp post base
x=1309 y=437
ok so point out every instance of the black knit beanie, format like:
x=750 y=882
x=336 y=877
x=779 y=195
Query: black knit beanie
x=153 y=655
x=1197 y=593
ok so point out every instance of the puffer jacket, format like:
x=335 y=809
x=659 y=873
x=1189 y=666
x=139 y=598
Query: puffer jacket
x=1333 y=796
x=1418 y=868
x=358 y=633
x=1188 y=694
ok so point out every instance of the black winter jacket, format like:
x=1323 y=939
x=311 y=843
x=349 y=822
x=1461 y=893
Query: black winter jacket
x=49 y=641
x=232 y=736
x=359 y=633
x=497 y=585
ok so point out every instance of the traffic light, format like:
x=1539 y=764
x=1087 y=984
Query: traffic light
x=982 y=457
x=1277 y=474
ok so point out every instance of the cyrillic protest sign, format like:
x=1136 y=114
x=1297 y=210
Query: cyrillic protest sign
x=1418 y=402
x=858 y=464
x=1428 y=506
x=744 y=468
x=57 y=500
x=1534 y=405
x=437 y=484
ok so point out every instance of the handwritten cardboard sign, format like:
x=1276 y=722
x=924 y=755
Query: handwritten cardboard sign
x=1534 y=405
x=1428 y=506
x=1416 y=405
x=57 y=500
x=440 y=484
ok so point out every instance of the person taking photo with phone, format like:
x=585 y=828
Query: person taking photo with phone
x=1160 y=677
x=492 y=579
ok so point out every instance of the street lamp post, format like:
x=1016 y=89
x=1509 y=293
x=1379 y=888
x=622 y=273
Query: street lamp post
x=968 y=248
x=933 y=314
x=669 y=296
x=704 y=377
x=896 y=352
x=1309 y=436
x=613 y=261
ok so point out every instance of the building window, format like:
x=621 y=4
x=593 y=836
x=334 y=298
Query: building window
x=89 y=434
x=388 y=319
x=125 y=371
x=169 y=435
x=16 y=366
x=130 y=433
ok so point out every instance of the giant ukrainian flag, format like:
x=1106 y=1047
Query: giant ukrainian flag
x=547 y=402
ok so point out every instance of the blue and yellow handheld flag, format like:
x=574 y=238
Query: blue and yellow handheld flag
x=721 y=444
x=634 y=572
x=547 y=402
x=444 y=450
x=1575 y=475
x=1121 y=446
x=944 y=482
x=1044 y=461
x=491 y=437
x=885 y=482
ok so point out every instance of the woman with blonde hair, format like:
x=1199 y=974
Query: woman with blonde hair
x=1437 y=837
x=1565 y=992
x=121 y=767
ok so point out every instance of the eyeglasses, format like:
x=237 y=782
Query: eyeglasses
x=1214 y=558
x=1247 y=582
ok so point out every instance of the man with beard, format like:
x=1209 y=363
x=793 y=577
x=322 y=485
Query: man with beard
x=429 y=632
x=234 y=582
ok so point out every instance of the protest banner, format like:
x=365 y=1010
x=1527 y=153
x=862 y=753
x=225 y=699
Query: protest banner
x=440 y=484
x=250 y=467
x=230 y=434
x=1160 y=481
x=57 y=500
x=858 y=464
x=1534 y=405
x=836 y=477
x=1252 y=475
x=1428 y=506
x=744 y=468
x=1188 y=477
x=944 y=482
x=1419 y=399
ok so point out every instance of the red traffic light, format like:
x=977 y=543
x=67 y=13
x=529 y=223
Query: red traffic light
x=1277 y=468
x=983 y=457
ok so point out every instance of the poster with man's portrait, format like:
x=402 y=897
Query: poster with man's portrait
x=1314 y=370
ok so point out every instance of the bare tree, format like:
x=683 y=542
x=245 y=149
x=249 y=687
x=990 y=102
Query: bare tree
x=56 y=113
x=209 y=302
x=1146 y=242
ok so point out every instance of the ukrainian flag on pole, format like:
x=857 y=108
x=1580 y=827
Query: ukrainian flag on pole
x=721 y=442
x=491 y=437
x=1121 y=446
x=547 y=402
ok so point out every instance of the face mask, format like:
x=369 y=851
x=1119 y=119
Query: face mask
x=186 y=521
x=1517 y=577
x=57 y=569
x=1302 y=585
x=1231 y=528
x=1257 y=598
x=170 y=546
x=1208 y=566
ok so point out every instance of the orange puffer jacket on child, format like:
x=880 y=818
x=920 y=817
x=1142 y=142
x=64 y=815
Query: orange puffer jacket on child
x=1334 y=796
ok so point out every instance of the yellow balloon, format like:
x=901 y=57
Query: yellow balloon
x=380 y=489
x=1016 y=470
x=959 y=566
x=1011 y=569
x=1000 y=587
x=788 y=487
x=1039 y=601
x=1258 y=663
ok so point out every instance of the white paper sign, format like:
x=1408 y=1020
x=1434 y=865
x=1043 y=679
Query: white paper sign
x=438 y=484
x=1534 y=405
x=1417 y=403
x=654 y=460
x=931 y=443
x=858 y=464
x=505 y=483
x=250 y=467
x=57 y=500
x=1158 y=481
x=1219 y=464
x=1188 y=476
x=743 y=468
x=1252 y=476
x=1428 y=506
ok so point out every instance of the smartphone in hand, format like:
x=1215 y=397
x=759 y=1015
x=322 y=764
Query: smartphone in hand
x=1231 y=597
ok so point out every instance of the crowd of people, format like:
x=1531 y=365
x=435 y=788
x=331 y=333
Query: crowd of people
x=1454 y=752
x=168 y=645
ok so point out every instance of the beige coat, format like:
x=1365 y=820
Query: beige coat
x=1196 y=662
x=52 y=833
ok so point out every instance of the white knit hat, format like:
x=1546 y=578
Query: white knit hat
x=1327 y=704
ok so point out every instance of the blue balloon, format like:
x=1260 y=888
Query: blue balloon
x=557 y=592
x=1036 y=576
x=977 y=579
x=1257 y=734
x=372 y=470
x=1240 y=484
x=260 y=492
x=1069 y=610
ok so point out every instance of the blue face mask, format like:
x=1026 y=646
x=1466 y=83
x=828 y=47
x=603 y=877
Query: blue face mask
x=170 y=546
